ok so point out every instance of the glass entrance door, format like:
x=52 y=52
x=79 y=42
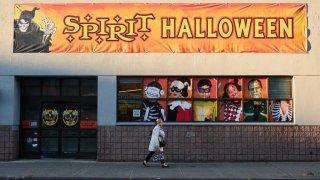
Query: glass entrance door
x=59 y=130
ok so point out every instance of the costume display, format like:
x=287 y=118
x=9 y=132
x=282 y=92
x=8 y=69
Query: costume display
x=232 y=111
x=277 y=113
x=204 y=111
x=255 y=111
x=179 y=111
x=152 y=110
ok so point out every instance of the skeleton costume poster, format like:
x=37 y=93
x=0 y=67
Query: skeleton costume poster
x=141 y=28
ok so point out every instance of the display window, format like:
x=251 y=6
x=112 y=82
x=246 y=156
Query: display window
x=180 y=111
x=130 y=88
x=230 y=88
x=154 y=88
x=255 y=111
x=280 y=111
x=230 y=111
x=204 y=111
x=205 y=88
x=153 y=109
x=129 y=110
x=205 y=99
x=88 y=119
x=255 y=88
x=180 y=87
x=70 y=87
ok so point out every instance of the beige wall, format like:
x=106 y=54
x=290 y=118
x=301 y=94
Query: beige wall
x=305 y=67
x=306 y=102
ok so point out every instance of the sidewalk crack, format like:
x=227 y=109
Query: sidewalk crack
x=279 y=170
x=181 y=173
x=81 y=170
x=131 y=172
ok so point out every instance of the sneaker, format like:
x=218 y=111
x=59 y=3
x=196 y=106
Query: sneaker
x=164 y=165
x=145 y=164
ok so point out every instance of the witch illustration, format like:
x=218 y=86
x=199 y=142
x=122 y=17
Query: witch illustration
x=29 y=36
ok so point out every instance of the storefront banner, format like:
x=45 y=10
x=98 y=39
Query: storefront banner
x=141 y=28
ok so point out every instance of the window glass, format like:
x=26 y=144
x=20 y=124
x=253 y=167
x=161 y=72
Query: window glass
x=31 y=112
x=205 y=88
x=280 y=87
x=30 y=132
x=130 y=88
x=88 y=144
x=205 y=99
x=49 y=144
x=49 y=132
x=30 y=116
x=70 y=87
x=230 y=88
x=88 y=132
x=30 y=140
x=180 y=87
x=153 y=109
x=154 y=88
x=88 y=117
x=31 y=144
x=89 y=113
x=281 y=111
x=70 y=132
x=205 y=111
x=255 y=88
x=89 y=87
x=31 y=87
x=129 y=110
x=51 y=87
x=255 y=111
x=230 y=111
x=69 y=145
x=179 y=111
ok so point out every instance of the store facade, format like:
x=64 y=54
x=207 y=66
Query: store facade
x=230 y=85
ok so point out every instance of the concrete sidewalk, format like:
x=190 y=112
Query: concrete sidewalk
x=90 y=169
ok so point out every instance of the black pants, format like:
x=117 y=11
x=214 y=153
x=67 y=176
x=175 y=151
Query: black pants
x=151 y=153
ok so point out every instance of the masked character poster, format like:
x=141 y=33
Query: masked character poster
x=179 y=109
x=152 y=107
x=204 y=89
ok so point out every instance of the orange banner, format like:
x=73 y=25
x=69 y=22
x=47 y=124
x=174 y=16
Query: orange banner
x=141 y=28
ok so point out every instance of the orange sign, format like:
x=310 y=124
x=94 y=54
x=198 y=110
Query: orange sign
x=140 y=28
